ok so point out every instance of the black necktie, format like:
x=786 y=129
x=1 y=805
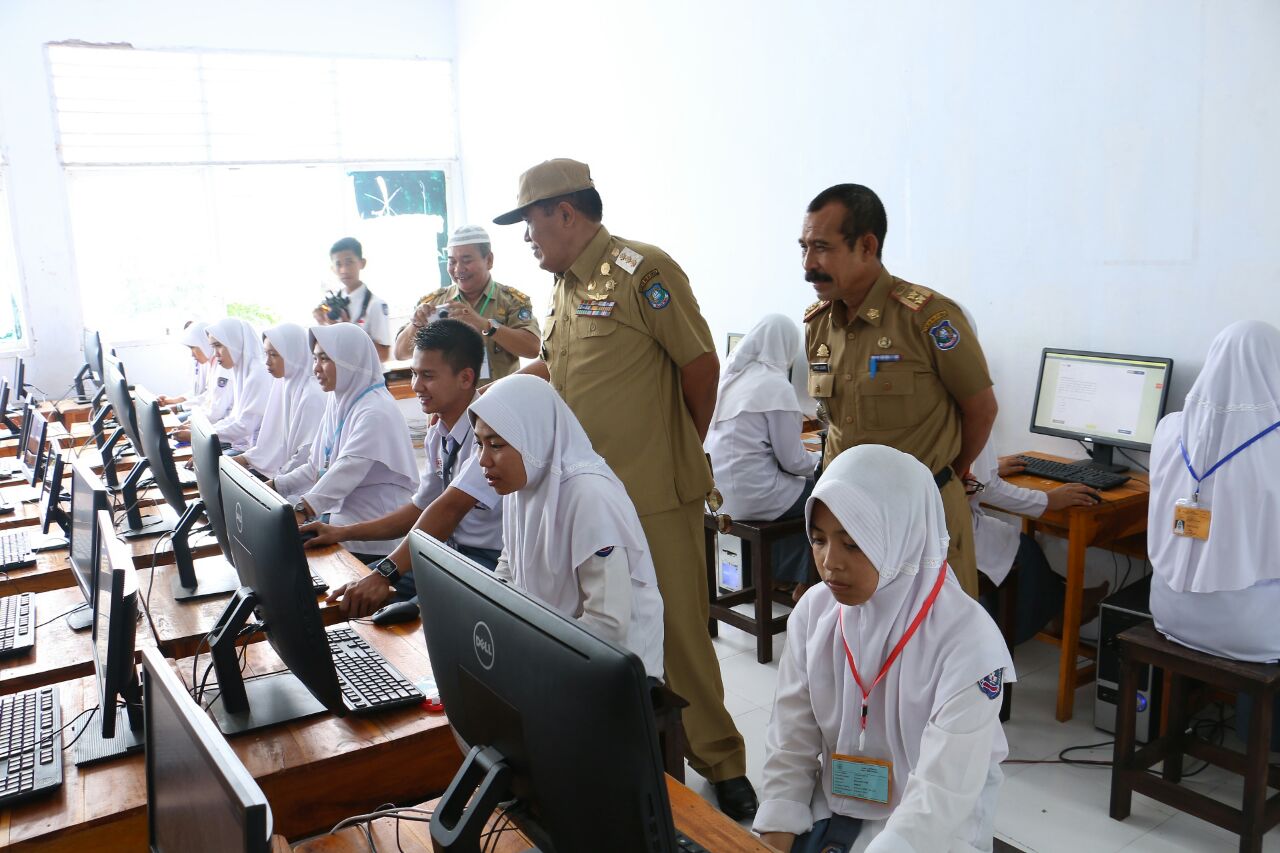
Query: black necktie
x=450 y=448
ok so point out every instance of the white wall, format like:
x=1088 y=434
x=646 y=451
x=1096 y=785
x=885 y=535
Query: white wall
x=1090 y=175
x=393 y=28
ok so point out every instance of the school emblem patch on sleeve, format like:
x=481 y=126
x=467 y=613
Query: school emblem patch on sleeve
x=386 y=312
x=945 y=336
x=604 y=552
x=657 y=296
x=990 y=684
x=524 y=314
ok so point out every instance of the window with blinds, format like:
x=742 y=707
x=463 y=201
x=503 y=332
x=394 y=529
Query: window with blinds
x=203 y=184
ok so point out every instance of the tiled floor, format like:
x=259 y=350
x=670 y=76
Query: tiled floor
x=1044 y=808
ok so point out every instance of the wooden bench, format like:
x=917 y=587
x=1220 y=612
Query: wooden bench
x=1142 y=646
x=757 y=579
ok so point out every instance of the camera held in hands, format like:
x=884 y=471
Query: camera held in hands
x=336 y=305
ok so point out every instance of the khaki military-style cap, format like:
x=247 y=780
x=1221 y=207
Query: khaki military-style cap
x=548 y=179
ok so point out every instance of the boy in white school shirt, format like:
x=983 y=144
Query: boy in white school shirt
x=885 y=733
x=364 y=308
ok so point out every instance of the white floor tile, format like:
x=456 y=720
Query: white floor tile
x=1033 y=656
x=1182 y=832
x=754 y=681
x=736 y=703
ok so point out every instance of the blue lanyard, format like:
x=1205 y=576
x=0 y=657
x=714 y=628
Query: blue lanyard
x=1223 y=461
x=328 y=448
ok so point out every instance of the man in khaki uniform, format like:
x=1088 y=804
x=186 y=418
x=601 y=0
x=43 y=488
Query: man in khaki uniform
x=892 y=362
x=503 y=315
x=626 y=347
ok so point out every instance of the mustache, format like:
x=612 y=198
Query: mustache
x=812 y=276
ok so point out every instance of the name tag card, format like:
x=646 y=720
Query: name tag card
x=857 y=777
x=1191 y=520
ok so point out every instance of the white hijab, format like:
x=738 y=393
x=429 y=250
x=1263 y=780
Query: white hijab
x=295 y=406
x=755 y=375
x=888 y=503
x=194 y=336
x=360 y=416
x=572 y=505
x=1236 y=396
x=251 y=384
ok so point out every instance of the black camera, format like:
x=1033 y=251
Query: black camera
x=336 y=304
x=443 y=313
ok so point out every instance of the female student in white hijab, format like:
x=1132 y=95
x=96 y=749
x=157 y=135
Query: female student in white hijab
x=885 y=733
x=361 y=465
x=239 y=349
x=762 y=469
x=572 y=539
x=209 y=382
x=1212 y=528
x=295 y=407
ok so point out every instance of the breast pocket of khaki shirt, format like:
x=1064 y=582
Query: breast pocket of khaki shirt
x=821 y=385
x=594 y=344
x=888 y=401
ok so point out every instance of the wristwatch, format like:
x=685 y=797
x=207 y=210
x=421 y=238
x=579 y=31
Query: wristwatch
x=493 y=328
x=387 y=569
x=301 y=508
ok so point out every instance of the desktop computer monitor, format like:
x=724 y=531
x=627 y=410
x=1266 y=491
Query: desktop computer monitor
x=122 y=404
x=88 y=498
x=19 y=386
x=6 y=421
x=268 y=555
x=554 y=717
x=206 y=455
x=200 y=797
x=1108 y=399
x=52 y=496
x=33 y=446
x=731 y=342
x=115 y=623
x=215 y=578
x=91 y=343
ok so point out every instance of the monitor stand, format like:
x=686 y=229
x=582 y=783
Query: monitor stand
x=135 y=526
x=91 y=747
x=242 y=706
x=483 y=781
x=80 y=619
x=216 y=577
x=1102 y=458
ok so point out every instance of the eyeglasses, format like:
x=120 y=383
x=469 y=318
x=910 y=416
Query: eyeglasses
x=972 y=486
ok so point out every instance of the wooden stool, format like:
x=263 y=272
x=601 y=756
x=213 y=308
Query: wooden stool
x=757 y=578
x=1142 y=646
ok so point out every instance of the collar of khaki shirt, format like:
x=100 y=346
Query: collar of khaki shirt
x=872 y=308
x=585 y=266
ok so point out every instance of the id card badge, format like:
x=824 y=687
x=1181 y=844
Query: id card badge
x=1190 y=519
x=858 y=777
x=484 y=367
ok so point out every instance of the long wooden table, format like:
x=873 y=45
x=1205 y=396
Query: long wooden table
x=1119 y=523
x=315 y=771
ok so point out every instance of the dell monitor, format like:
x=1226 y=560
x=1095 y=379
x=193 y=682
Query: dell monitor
x=136 y=526
x=115 y=624
x=52 y=497
x=5 y=421
x=91 y=342
x=216 y=576
x=33 y=445
x=200 y=797
x=206 y=456
x=555 y=718
x=19 y=385
x=1107 y=399
x=88 y=498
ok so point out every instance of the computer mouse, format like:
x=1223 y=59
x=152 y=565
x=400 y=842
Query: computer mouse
x=396 y=612
x=306 y=535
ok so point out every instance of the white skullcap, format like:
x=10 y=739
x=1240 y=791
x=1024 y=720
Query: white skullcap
x=468 y=235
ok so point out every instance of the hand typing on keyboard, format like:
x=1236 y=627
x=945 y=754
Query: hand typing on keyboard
x=1073 y=494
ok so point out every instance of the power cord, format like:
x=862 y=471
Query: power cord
x=63 y=614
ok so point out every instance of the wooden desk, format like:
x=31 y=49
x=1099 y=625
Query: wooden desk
x=51 y=571
x=60 y=654
x=24 y=514
x=67 y=412
x=399 y=381
x=315 y=772
x=181 y=626
x=1118 y=523
x=692 y=815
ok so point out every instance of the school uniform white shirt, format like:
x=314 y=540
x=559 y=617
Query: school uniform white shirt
x=996 y=539
x=760 y=463
x=482 y=526
x=374 y=319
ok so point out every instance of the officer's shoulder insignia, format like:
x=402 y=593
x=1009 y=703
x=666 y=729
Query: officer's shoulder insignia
x=604 y=552
x=913 y=296
x=629 y=259
x=517 y=295
x=990 y=684
x=648 y=277
x=815 y=309
x=945 y=336
x=431 y=297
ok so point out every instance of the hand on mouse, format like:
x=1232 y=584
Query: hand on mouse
x=1073 y=494
x=324 y=534
x=363 y=597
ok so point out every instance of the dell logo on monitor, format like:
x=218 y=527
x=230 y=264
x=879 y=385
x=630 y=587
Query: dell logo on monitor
x=239 y=518
x=482 y=639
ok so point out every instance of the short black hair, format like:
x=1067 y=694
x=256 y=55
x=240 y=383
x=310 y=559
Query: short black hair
x=863 y=213
x=347 y=244
x=587 y=202
x=461 y=345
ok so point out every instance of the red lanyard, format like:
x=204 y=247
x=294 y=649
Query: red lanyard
x=893 y=655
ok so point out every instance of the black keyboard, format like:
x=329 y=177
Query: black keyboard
x=368 y=682
x=17 y=623
x=30 y=743
x=1072 y=472
x=15 y=550
x=318 y=583
x=685 y=844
